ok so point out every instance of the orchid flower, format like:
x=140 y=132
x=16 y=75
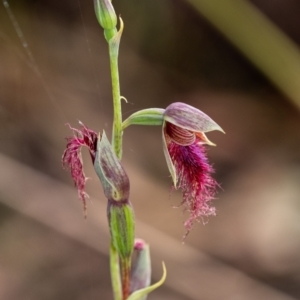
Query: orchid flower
x=184 y=129
x=183 y=136
x=184 y=139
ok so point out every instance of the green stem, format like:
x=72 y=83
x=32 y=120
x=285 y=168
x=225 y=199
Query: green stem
x=125 y=269
x=117 y=123
x=115 y=273
x=121 y=290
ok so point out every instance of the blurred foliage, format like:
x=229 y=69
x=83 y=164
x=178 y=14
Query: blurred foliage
x=258 y=39
x=181 y=39
x=184 y=43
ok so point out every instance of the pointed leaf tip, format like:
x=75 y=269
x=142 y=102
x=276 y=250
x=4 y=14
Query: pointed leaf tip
x=140 y=294
x=141 y=267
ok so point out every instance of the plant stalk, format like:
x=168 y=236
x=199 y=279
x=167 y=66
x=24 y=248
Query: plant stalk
x=117 y=123
x=125 y=269
x=115 y=273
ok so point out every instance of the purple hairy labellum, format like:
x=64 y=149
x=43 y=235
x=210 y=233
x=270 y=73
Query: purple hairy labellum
x=183 y=140
x=72 y=158
x=194 y=179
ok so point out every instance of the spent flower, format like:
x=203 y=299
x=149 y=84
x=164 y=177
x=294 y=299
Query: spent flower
x=114 y=180
x=72 y=158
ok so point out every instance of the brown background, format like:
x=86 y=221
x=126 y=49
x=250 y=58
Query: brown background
x=168 y=53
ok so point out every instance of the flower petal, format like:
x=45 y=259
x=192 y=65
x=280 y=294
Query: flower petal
x=190 y=118
x=169 y=161
x=194 y=180
x=179 y=135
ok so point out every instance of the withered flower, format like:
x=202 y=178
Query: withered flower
x=72 y=158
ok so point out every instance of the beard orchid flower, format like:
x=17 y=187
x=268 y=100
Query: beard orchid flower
x=184 y=140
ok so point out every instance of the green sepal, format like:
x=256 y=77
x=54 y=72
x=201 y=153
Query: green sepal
x=140 y=294
x=113 y=38
x=122 y=226
x=149 y=116
x=113 y=177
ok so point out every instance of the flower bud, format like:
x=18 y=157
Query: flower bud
x=141 y=269
x=141 y=294
x=105 y=14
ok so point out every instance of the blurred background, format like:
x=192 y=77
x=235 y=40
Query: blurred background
x=170 y=51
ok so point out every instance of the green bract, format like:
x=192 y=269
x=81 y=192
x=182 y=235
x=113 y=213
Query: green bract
x=112 y=175
x=121 y=224
x=114 y=41
x=116 y=186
